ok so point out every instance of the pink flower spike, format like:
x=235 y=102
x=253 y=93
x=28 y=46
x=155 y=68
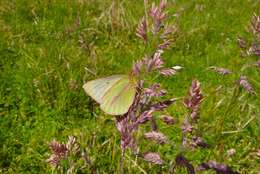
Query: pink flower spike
x=220 y=70
x=141 y=30
x=159 y=137
x=167 y=72
x=167 y=119
x=163 y=4
x=153 y=158
x=246 y=85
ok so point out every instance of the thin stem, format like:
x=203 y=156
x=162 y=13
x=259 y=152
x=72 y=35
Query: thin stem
x=145 y=11
x=154 y=124
x=122 y=162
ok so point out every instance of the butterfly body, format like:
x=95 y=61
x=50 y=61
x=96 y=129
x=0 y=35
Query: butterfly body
x=115 y=94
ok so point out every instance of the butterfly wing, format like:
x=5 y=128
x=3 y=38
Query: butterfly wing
x=97 y=88
x=118 y=99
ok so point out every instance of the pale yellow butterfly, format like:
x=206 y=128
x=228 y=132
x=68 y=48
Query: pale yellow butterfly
x=115 y=94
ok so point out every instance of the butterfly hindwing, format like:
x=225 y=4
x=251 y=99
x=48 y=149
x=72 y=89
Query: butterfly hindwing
x=118 y=99
x=114 y=93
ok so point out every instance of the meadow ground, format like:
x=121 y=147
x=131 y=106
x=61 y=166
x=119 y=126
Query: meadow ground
x=45 y=47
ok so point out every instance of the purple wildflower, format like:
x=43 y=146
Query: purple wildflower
x=62 y=151
x=125 y=132
x=186 y=126
x=159 y=137
x=192 y=103
x=144 y=117
x=153 y=158
x=198 y=141
x=246 y=85
x=154 y=91
x=169 y=30
x=162 y=105
x=137 y=67
x=167 y=71
x=166 y=43
x=194 y=100
x=219 y=168
x=167 y=119
x=155 y=62
x=141 y=30
x=181 y=161
x=220 y=70
x=158 y=15
x=59 y=152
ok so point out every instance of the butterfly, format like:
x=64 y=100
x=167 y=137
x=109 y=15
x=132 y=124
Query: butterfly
x=115 y=93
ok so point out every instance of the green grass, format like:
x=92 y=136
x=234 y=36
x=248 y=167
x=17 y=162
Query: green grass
x=42 y=65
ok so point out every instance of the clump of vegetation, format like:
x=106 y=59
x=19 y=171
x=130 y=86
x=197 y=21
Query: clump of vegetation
x=48 y=125
x=134 y=100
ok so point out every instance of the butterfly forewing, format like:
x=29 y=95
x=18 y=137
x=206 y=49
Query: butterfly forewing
x=97 y=88
x=118 y=99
